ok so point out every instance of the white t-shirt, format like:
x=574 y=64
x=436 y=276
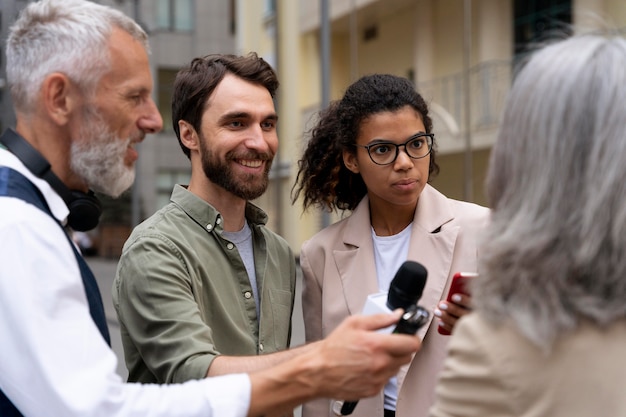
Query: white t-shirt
x=389 y=253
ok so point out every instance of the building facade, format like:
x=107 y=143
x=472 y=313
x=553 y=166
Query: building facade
x=460 y=54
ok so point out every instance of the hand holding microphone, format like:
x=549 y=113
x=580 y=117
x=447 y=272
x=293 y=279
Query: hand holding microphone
x=404 y=291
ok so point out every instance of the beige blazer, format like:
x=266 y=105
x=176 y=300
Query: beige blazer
x=494 y=371
x=339 y=273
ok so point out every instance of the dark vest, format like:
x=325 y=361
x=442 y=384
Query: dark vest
x=14 y=184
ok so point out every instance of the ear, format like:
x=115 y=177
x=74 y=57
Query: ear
x=60 y=97
x=350 y=161
x=188 y=135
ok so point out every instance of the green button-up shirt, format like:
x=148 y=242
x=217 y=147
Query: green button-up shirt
x=183 y=296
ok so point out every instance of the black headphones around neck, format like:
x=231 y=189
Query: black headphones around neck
x=85 y=208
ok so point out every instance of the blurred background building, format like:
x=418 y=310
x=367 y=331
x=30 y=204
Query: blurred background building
x=460 y=54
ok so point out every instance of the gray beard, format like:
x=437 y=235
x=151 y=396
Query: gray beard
x=98 y=157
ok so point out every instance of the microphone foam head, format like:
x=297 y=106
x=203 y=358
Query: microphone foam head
x=407 y=285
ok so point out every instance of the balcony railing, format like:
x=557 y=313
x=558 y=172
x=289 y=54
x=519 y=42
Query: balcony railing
x=489 y=84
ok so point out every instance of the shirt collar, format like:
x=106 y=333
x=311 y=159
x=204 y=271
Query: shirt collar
x=205 y=214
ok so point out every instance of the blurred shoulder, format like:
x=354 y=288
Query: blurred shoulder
x=434 y=203
x=467 y=212
x=470 y=211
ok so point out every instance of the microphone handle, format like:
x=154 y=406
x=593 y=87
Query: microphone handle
x=413 y=318
x=348 y=407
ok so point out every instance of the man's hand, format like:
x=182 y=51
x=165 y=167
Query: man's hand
x=356 y=362
x=353 y=362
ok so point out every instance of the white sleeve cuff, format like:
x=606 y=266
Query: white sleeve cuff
x=229 y=395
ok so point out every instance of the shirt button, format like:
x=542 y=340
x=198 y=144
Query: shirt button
x=230 y=246
x=261 y=347
x=209 y=227
x=219 y=220
x=247 y=294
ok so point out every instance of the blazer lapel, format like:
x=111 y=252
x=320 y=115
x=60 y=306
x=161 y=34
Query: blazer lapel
x=355 y=263
x=432 y=245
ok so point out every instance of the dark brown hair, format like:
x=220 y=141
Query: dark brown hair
x=197 y=81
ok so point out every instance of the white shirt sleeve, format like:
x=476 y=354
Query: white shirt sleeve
x=53 y=360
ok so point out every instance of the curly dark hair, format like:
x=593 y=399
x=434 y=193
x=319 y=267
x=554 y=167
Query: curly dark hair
x=197 y=81
x=322 y=177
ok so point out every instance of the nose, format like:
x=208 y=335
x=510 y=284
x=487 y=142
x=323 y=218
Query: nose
x=151 y=121
x=403 y=160
x=261 y=141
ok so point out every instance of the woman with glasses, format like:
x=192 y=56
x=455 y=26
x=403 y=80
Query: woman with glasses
x=372 y=153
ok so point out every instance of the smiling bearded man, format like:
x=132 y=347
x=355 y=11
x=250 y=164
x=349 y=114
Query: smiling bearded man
x=202 y=286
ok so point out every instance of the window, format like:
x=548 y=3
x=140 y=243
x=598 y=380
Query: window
x=269 y=12
x=164 y=101
x=233 y=17
x=175 y=15
x=538 y=21
x=270 y=7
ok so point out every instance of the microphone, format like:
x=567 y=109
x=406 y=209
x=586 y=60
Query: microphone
x=407 y=285
x=404 y=291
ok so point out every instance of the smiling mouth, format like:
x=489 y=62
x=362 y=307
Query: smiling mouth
x=250 y=163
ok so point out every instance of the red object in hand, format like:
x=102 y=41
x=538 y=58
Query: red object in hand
x=459 y=286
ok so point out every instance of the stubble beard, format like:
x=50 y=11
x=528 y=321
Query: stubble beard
x=247 y=186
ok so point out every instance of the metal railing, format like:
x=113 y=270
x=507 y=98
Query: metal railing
x=490 y=82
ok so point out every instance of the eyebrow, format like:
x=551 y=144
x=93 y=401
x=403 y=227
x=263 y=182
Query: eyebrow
x=135 y=90
x=245 y=115
x=383 y=140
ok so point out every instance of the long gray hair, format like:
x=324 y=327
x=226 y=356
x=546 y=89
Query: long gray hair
x=67 y=36
x=555 y=252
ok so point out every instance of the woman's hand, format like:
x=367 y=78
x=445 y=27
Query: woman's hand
x=449 y=312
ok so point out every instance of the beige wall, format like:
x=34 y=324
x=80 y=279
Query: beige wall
x=392 y=51
x=591 y=15
x=452 y=174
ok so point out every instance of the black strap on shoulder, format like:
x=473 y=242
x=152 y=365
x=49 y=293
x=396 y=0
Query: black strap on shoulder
x=37 y=164
x=14 y=184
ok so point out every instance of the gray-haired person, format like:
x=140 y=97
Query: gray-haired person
x=548 y=331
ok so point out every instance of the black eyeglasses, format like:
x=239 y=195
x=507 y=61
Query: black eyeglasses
x=384 y=153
